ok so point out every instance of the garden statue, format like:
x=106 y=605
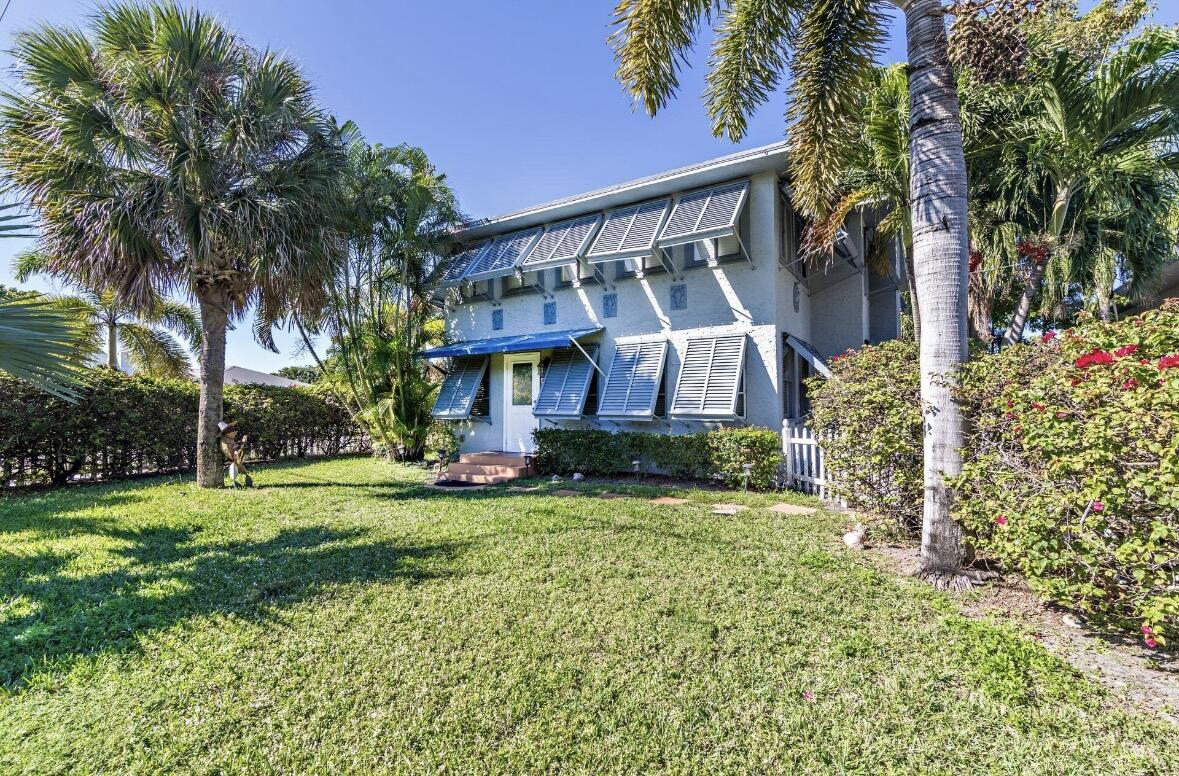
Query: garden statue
x=234 y=452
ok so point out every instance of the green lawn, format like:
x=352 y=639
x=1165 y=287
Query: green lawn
x=345 y=619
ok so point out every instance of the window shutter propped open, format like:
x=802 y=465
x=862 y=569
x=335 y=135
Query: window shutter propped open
x=632 y=384
x=565 y=385
x=457 y=394
x=710 y=377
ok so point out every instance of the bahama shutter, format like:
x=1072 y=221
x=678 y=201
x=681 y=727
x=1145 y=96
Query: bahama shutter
x=565 y=384
x=456 y=268
x=562 y=243
x=457 y=394
x=632 y=384
x=710 y=377
x=629 y=232
x=501 y=257
x=705 y=214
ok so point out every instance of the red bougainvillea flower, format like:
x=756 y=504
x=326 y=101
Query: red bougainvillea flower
x=1049 y=335
x=1147 y=630
x=1150 y=642
x=1037 y=406
x=1062 y=414
x=1126 y=350
x=1097 y=506
x=1130 y=384
x=1009 y=415
x=1001 y=520
x=1094 y=357
x=1169 y=362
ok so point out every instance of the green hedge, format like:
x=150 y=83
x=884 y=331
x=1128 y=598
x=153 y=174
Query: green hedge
x=128 y=425
x=713 y=455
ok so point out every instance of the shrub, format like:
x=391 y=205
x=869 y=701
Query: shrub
x=705 y=455
x=126 y=425
x=730 y=448
x=1071 y=472
x=869 y=421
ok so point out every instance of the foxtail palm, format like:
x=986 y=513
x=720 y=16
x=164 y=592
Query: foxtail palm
x=164 y=154
x=1096 y=144
x=148 y=337
x=829 y=46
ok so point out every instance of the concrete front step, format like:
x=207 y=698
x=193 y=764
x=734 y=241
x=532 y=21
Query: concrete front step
x=489 y=469
x=479 y=479
x=496 y=459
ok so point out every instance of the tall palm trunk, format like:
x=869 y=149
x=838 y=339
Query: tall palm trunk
x=214 y=306
x=938 y=196
x=112 y=344
x=1031 y=290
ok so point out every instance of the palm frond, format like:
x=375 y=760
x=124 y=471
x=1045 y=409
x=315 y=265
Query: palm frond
x=651 y=44
x=748 y=57
x=41 y=344
x=837 y=42
x=154 y=352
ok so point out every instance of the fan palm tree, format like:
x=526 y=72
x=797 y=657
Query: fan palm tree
x=1094 y=150
x=829 y=46
x=147 y=337
x=164 y=154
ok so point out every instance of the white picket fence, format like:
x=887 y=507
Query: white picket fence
x=804 y=460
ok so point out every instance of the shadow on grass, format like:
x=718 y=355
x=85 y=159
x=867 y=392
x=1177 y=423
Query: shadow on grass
x=161 y=577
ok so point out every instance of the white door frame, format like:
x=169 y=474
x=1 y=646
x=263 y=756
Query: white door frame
x=517 y=417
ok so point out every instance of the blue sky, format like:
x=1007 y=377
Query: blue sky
x=515 y=102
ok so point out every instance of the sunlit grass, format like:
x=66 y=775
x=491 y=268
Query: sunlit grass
x=344 y=618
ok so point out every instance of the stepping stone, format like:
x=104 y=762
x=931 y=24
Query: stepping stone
x=565 y=492
x=611 y=495
x=669 y=501
x=522 y=489
x=727 y=509
x=792 y=509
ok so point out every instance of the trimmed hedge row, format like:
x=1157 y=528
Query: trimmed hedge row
x=712 y=455
x=124 y=425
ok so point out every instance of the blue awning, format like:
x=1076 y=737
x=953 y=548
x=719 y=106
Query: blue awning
x=520 y=342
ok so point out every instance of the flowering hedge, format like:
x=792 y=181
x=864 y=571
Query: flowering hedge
x=1071 y=471
x=869 y=420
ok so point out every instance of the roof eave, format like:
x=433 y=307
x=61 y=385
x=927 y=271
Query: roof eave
x=741 y=164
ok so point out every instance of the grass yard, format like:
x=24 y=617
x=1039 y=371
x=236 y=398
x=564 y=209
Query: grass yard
x=344 y=618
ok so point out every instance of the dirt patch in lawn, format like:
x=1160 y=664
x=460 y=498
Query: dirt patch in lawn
x=1140 y=678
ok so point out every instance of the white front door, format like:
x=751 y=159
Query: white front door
x=521 y=384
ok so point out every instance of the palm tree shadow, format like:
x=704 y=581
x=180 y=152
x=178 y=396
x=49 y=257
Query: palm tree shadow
x=56 y=617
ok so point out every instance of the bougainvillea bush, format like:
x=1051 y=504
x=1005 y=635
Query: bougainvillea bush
x=1072 y=467
x=869 y=418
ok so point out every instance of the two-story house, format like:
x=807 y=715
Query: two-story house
x=671 y=304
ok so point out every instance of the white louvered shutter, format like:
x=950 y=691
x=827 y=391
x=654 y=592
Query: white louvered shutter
x=629 y=231
x=504 y=253
x=632 y=385
x=562 y=243
x=705 y=214
x=457 y=394
x=458 y=266
x=710 y=377
x=565 y=385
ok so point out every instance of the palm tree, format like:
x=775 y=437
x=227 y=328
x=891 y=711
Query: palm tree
x=147 y=337
x=831 y=45
x=1094 y=150
x=164 y=154
x=398 y=217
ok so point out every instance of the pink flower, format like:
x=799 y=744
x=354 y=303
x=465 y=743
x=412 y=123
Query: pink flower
x=1125 y=350
x=810 y=696
x=1062 y=414
x=1147 y=630
x=1150 y=642
x=1094 y=357
x=1001 y=519
x=1037 y=405
x=1097 y=506
x=1130 y=384
x=1168 y=362
x=1049 y=336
